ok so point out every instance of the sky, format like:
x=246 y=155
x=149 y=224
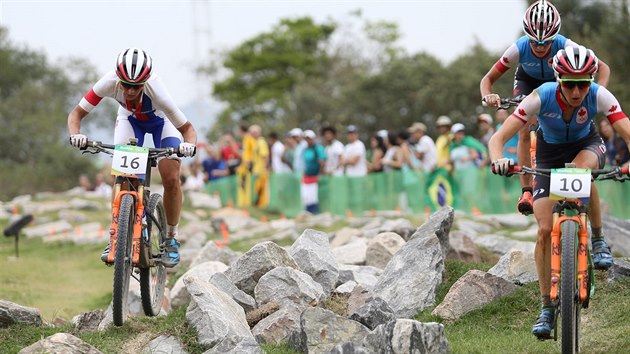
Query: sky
x=178 y=34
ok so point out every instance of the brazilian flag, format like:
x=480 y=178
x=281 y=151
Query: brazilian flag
x=442 y=189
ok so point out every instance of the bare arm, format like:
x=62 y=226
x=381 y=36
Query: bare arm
x=189 y=133
x=485 y=87
x=74 y=120
x=603 y=73
x=622 y=127
x=505 y=133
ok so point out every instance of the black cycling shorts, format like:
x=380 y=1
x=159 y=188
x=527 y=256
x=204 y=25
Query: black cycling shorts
x=525 y=84
x=556 y=155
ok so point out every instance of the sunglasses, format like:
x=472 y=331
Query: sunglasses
x=579 y=83
x=131 y=86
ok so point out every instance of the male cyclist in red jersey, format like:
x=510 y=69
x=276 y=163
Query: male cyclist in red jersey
x=566 y=133
x=533 y=53
x=145 y=107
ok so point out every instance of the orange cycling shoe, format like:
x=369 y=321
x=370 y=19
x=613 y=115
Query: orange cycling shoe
x=525 y=204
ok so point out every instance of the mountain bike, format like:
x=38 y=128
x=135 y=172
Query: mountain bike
x=138 y=226
x=571 y=263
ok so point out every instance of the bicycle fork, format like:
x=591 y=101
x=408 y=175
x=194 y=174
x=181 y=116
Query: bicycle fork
x=137 y=223
x=582 y=254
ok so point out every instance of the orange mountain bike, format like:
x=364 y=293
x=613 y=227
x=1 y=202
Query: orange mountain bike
x=138 y=226
x=571 y=263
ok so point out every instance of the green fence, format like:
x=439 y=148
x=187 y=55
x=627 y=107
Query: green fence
x=468 y=190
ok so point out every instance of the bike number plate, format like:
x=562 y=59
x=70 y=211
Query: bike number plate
x=570 y=183
x=130 y=160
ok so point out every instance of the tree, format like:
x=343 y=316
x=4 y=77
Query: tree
x=34 y=105
x=264 y=71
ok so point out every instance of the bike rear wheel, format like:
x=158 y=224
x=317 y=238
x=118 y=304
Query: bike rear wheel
x=123 y=259
x=153 y=278
x=569 y=288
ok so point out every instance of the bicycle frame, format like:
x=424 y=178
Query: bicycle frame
x=559 y=217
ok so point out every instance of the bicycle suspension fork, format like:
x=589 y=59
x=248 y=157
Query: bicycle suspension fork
x=582 y=250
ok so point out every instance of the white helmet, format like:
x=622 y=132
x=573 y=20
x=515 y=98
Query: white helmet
x=134 y=66
x=541 y=22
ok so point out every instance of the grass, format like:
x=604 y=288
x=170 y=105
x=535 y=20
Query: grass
x=60 y=279
x=505 y=325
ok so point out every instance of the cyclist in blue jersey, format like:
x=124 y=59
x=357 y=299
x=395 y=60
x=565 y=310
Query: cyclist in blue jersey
x=533 y=53
x=566 y=133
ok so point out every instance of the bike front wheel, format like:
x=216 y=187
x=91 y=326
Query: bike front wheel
x=153 y=277
x=569 y=288
x=123 y=258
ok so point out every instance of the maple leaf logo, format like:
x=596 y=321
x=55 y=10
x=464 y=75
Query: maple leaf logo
x=505 y=60
x=522 y=112
x=582 y=111
x=612 y=108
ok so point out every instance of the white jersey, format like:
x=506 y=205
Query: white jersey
x=334 y=152
x=352 y=150
x=156 y=102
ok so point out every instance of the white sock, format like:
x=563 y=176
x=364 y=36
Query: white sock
x=171 y=231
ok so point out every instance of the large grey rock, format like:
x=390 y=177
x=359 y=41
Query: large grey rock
x=351 y=253
x=311 y=251
x=501 y=245
x=284 y=285
x=50 y=228
x=210 y=252
x=407 y=336
x=473 y=290
x=251 y=266
x=244 y=346
x=349 y=348
x=11 y=313
x=517 y=221
x=60 y=343
x=224 y=284
x=517 y=267
x=373 y=313
x=619 y=270
x=203 y=271
x=88 y=321
x=463 y=248
x=214 y=315
x=367 y=276
x=321 y=330
x=617 y=232
x=279 y=326
x=382 y=248
x=344 y=236
x=402 y=227
x=410 y=280
x=164 y=345
x=439 y=224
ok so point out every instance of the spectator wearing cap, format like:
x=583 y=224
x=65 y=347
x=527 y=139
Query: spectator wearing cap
x=334 y=152
x=314 y=158
x=300 y=145
x=466 y=151
x=354 y=155
x=443 y=124
x=486 y=128
x=423 y=147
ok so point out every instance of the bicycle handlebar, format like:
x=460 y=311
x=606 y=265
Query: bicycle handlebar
x=153 y=152
x=620 y=174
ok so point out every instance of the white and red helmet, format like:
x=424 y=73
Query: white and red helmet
x=575 y=60
x=133 y=66
x=541 y=22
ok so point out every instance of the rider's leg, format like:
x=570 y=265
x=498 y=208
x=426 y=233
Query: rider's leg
x=169 y=171
x=525 y=203
x=542 y=254
x=602 y=258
